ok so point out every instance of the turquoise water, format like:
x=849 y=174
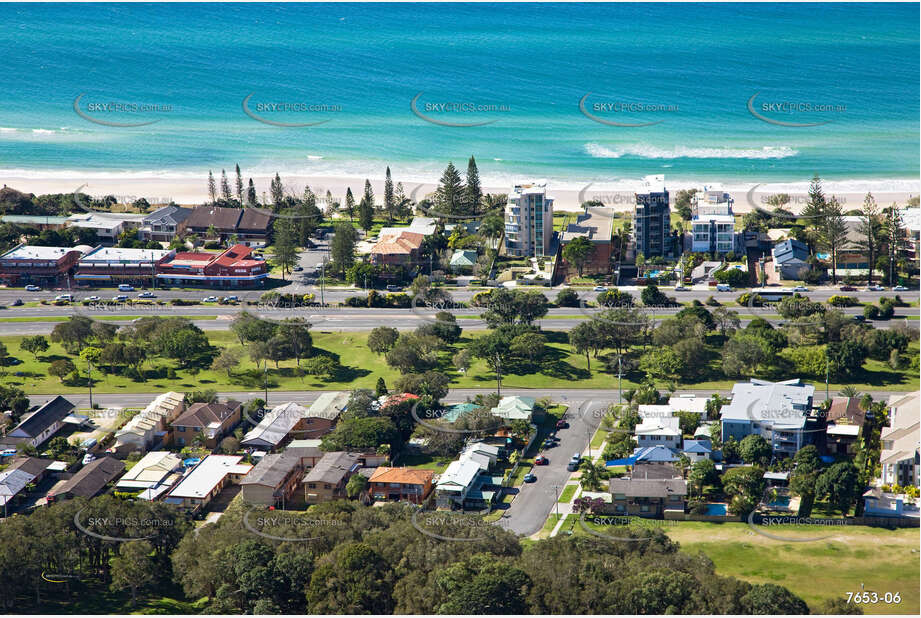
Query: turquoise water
x=716 y=509
x=780 y=502
x=698 y=65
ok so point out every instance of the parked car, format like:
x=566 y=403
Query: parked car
x=8 y=452
x=562 y=424
x=848 y=288
x=529 y=478
x=875 y=288
x=17 y=302
x=600 y=288
x=549 y=443
x=900 y=288
x=298 y=269
x=33 y=288
x=540 y=460
x=801 y=288
x=64 y=297
x=147 y=295
x=209 y=299
x=723 y=287
x=394 y=288
x=89 y=457
x=124 y=287
x=120 y=298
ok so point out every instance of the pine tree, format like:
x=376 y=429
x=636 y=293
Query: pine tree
x=869 y=229
x=251 y=194
x=472 y=191
x=833 y=234
x=814 y=210
x=349 y=203
x=366 y=208
x=449 y=196
x=239 y=185
x=895 y=239
x=212 y=189
x=389 y=200
x=225 y=187
x=278 y=191
x=285 y=245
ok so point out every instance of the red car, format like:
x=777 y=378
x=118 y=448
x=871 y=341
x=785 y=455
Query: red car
x=848 y=288
x=540 y=460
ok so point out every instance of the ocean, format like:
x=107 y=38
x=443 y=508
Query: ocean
x=728 y=93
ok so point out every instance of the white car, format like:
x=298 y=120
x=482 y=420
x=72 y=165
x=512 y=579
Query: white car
x=680 y=288
x=600 y=288
x=124 y=287
x=209 y=299
x=120 y=298
x=147 y=295
x=89 y=457
x=68 y=297
x=900 y=288
x=33 y=288
x=875 y=288
x=92 y=298
x=801 y=288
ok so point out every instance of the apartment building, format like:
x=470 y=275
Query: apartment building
x=529 y=220
x=652 y=218
x=713 y=223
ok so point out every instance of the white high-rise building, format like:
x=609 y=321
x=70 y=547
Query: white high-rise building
x=529 y=220
x=713 y=222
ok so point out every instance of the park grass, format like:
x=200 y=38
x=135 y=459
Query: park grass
x=854 y=556
x=360 y=368
x=568 y=492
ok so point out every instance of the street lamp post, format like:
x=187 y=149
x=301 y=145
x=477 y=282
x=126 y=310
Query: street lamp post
x=265 y=379
x=89 y=375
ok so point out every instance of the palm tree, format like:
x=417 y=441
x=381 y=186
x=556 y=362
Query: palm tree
x=849 y=391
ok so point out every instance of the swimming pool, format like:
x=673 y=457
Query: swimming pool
x=716 y=509
x=652 y=274
x=781 y=502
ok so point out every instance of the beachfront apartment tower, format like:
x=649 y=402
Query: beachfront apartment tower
x=529 y=220
x=652 y=218
x=713 y=223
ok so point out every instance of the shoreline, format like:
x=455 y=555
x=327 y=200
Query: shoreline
x=187 y=189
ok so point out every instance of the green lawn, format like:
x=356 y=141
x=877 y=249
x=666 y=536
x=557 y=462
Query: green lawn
x=360 y=368
x=568 y=492
x=425 y=462
x=879 y=559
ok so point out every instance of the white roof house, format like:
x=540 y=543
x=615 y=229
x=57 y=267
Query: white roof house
x=208 y=474
x=515 y=408
x=419 y=225
x=688 y=403
x=329 y=405
x=276 y=424
x=458 y=475
x=781 y=404
x=152 y=470
x=901 y=441
x=659 y=427
x=654 y=411
x=142 y=431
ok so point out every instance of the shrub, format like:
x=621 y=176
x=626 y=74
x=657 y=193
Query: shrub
x=886 y=309
x=744 y=299
x=712 y=302
x=871 y=312
x=843 y=301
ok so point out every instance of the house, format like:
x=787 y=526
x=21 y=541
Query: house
x=844 y=424
x=775 y=410
x=419 y=225
x=463 y=260
x=595 y=225
x=207 y=480
x=400 y=484
x=455 y=483
x=248 y=226
x=659 y=432
x=276 y=426
x=648 y=497
x=688 y=403
x=455 y=411
x=697 y=450
x=515 y=408
x=482 y=453
x=307 y=451
x=18 y=475
x=155 y=469
x=653 y=454
x=655 y=471
x=90 y=480
x=116 y=265
x=206 y=423
x=327 y=479
x=900 y=457
x=108 y=226
x=40 y=222
x=235 y=267
x=713 y=223
x=151 y=425
x=790 y=258
x=40 y=425
x=324 y=412
x=33 y=265
x=273 y=481
x=163 y=224
x=397 y=249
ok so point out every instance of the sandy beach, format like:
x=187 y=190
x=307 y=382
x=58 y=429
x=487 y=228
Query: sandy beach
x=189 y=190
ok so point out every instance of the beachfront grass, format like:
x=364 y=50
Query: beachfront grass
x=360 y=368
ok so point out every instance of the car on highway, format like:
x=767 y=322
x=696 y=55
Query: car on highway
x=900 y=288
x=529 y=478
x=120 y=298
x=230 y=299
x=680 y=288
x=147 y=295
x=124 y=287
x=394 y=288
x=33 y=288
x=848 y=288
x=562 y=424
x=17 y=302
x=599 y=288
x=64 y=298
x=875 y=288
x=298 y=269
x=859 y=318
x=801 y=288
x=209 y=299
x=723 y=287
x=540 y=460
x=93 y=298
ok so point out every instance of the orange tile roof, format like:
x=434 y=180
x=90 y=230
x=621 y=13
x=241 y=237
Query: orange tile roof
x=402 y=243
x=408 y=476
